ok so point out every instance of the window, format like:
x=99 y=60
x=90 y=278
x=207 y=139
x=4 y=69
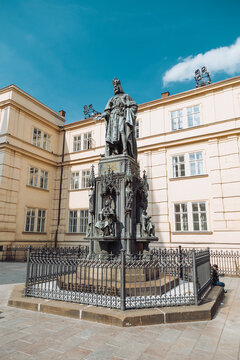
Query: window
x=37 y=136
x=177 y=119
x=193 y=116
x=74 y=180
x=178 y=166
x=41 y=141
x=30 y=220
x=46 y=142
x=199 y=216
x=196 y=163
x=188 y=164
x=181 y=217
x=137 y=129
x=83 y=221
x=78 y=221
x=87 y=141
x=33 y=177
x=43 y=184
x=185 y=118
x=85 y=178
x=72 y=225
x=191 y=216
x=77 y=143
x=41 y=220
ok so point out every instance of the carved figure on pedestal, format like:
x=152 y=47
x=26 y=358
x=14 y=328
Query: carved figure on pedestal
x=129 y=197
x=91 y=200
x=106 y=220
x=147 y=228
x=120 y=115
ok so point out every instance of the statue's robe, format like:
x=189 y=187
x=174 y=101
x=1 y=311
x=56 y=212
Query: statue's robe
x=121 y=112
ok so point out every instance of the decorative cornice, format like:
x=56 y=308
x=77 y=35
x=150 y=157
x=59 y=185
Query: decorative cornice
x=26 y=95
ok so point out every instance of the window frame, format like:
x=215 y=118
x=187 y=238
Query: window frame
x=34 y=176
x=177 y=166
x=46 y=142
x=80 y=219
x=77 y=144
x=75 y=179
x=190 y=217
x=37 y=139
x=43 y=177
x=137 y=129
x=31 y=224
x=198 y=163
x=87 y=142
x=41 y=220
x=183 y=120
x=85 y=178
x=70 y=223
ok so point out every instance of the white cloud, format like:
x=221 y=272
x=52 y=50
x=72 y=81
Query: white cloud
x=223 y=59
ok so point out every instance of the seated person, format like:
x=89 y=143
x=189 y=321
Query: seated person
x=215 y=277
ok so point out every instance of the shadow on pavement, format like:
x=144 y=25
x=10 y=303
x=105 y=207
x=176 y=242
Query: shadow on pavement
x=12 y=273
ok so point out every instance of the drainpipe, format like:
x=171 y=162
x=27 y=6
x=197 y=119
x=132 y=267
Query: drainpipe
x=60 y=189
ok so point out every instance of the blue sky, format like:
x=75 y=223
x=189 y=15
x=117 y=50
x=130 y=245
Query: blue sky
x=65 y=53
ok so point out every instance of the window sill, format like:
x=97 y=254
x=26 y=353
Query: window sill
x=39 y=147
x=79 y=151
x=192 y=232
x=75 y=233
x=87 y=188
x=37 y=188
x=34 y=232
x=188 y=177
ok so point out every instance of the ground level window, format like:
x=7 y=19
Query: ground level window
x=199 y=215
x=83 y=221
x=78 y=221
x=41 y=220
x=181 y=217
x=73 y=219
x=30 y=220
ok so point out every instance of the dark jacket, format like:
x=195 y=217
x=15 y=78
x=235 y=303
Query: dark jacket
x=215 y=276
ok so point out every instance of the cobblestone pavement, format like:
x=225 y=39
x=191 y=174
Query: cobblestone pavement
x=30 y=335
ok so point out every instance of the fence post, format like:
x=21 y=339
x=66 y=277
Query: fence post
x=181 y=264
x=122 y=290
x=27 y=275
x=195 y=280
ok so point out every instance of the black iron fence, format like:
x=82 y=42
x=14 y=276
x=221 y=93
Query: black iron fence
x=161 y=278
x=228 y=261
x=20 y=253
x=13 y=254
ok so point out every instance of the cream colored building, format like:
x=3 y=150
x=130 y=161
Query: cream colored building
x=188 y=144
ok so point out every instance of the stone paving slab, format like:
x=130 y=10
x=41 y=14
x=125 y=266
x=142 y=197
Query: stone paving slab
x=136 y=317
x=34 y=335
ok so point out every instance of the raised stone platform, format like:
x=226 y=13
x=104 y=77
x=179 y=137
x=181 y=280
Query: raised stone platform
x=138 y=317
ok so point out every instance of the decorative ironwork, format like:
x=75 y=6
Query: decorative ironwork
x=89 y=111
x=202 y=77
x=160 y=278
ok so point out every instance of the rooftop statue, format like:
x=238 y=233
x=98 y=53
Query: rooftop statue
x=120 y=115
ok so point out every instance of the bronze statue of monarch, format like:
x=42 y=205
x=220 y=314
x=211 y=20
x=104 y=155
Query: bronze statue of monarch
x=120 y=115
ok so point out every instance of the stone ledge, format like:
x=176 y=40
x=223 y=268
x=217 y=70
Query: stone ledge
x=138 y=317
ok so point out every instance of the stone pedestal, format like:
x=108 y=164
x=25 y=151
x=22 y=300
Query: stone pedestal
x=118 y=204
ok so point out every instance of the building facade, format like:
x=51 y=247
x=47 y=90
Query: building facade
x=188 y=144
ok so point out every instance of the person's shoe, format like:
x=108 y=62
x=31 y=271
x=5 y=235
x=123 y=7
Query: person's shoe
x=225 y=291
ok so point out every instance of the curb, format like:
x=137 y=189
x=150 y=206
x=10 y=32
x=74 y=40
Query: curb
x=138 y=317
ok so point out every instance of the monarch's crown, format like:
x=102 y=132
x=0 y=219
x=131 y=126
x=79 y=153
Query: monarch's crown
x=116 y=81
